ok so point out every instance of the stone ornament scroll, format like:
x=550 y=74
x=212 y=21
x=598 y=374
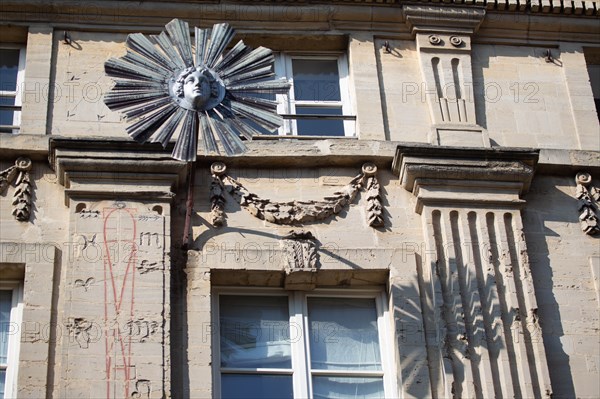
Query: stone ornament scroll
x=22 y=197
x=589 y=199
x=295 y=212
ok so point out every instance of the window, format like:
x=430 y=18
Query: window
x=12 y=71
x=318 y=102
x=303 y=345
x=11 y=309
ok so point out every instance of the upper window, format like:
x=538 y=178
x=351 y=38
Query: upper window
x=318 y=103
x=12 y=71
x=10 y=316
x=303 y=345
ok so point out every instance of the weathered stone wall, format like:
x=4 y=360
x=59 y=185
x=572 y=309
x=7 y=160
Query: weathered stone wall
x=564 y=266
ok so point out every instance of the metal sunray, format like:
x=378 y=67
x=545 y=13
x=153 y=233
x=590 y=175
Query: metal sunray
x=118 y=68
x=251 y=76
x=274 y=86
x=229 y=135
x=187 y=142
x=179 y=32
x=166 y=46
x=147 y=108
x=165 y=134
x=201 y=37
x=145 y=47
x=138 y=59
x=264 y=104
x=215 y=127
x=135 y=86
x=119 y=101
x=144 y=128
x=230 y=116
x=250 y=60
x=210 y=144
x=268 y=120
x=238 y=51
x=219 y=39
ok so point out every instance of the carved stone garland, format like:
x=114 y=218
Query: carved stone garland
x=23 y=192
x=295 y=212
x=588 y=197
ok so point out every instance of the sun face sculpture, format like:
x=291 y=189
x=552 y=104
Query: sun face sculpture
x=199 y=94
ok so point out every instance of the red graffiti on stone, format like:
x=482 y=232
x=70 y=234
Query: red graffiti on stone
x=120 y=259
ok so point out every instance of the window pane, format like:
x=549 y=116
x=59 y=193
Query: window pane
x=5 y=306
x=319 y=127
x=255 y=331
x=2 y=382
x=347 y=387
x=316 y=80
x=343 y=334
x=9 y=67
x=6 y=116
x=250 y=386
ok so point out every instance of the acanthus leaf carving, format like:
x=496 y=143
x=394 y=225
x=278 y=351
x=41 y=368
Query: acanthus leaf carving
x=296 y=212
x=300 y=251
x=22 y=197
x=588 y=197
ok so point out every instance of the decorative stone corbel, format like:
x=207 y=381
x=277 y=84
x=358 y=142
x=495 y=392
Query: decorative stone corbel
x=295 y=212
x=300 y=260
x=217 y=200
x=24 y=190
x=588 y=197
x=443 y=38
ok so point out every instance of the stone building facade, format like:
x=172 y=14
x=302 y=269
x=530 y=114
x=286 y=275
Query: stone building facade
x=431 y=232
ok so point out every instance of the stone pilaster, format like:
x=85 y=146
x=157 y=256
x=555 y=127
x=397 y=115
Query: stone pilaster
x=443 y=38
x=116 y=305
x=480 y=312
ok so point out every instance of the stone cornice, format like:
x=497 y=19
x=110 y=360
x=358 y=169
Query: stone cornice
x=114 y=169
x=451 y=176
x=282 y=153
x=426 y=18
x=278 y=16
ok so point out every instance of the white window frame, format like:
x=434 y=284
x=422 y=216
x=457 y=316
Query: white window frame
x=287 y=103
x=16 y=94
x=300 y=348
x=14 y=341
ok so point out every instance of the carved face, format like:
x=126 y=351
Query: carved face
x=196 y=89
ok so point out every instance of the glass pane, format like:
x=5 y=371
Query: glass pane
x=247 y=386
x=343 y=334
x=319 y=127
x=347 y=387
x=2 y=382
x=6 y=116
x=255 y=331
x=5 y=306
x=316 y=80
x=9 y=67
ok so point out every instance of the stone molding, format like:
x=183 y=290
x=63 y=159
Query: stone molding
x=423 y=18
x=108 y=169
x=451 y=175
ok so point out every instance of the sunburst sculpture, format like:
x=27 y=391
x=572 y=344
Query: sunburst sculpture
x=201 y=94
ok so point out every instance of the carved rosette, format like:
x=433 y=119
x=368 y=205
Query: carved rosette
x=24 y=190
x=296 y=212
x=588 y=197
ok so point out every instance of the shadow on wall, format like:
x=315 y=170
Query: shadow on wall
x=551 y=216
